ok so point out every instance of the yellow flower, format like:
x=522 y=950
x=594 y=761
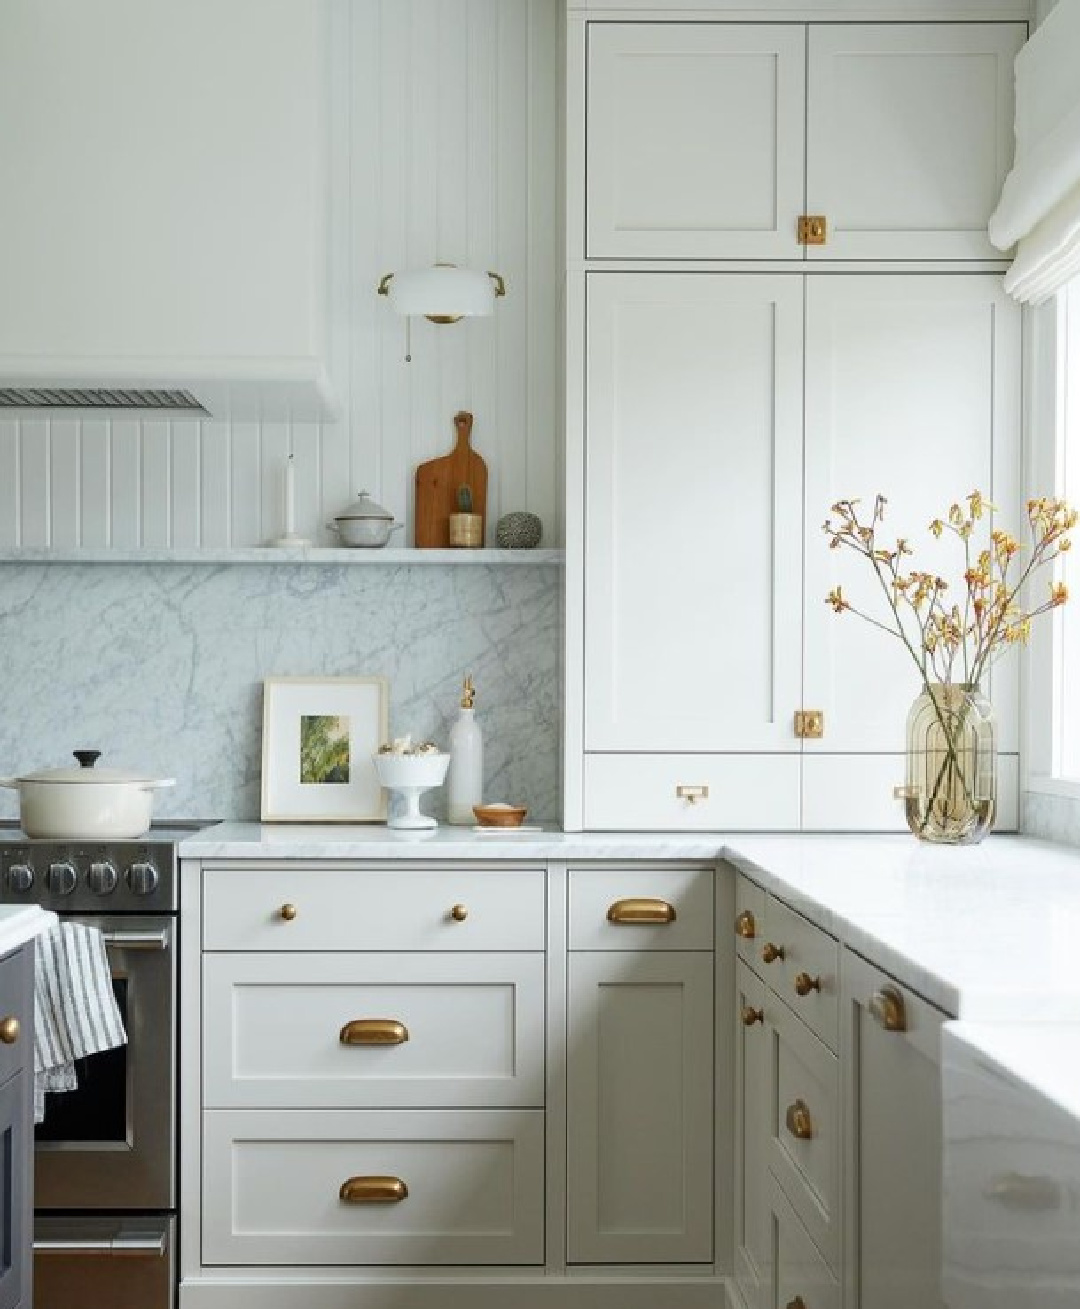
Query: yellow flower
x=836 y=599
x=937 y=527
x=1059 y=594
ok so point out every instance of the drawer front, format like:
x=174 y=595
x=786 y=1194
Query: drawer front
x=749 y=924
x=641 y=909
x=803 y=1278
x=641 y=792
x=17 y=1015
x=806 y=975
x=473 y=1187
x=804 y=1144
x=371 y=1031
x=353 y=909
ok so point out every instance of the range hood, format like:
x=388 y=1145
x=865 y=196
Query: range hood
x=163 y=230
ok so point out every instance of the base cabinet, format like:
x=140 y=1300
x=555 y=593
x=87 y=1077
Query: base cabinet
x=16 y=1127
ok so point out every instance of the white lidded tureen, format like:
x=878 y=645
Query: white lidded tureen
x=364 y=523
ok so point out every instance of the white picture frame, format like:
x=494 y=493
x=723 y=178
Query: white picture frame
x=319 y=736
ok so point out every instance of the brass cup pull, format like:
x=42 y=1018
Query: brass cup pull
x=798 y=1121
x=750 y=1015
x=887 y=1009
x=288 y=912
x=459 y=913
x=771 y=953
x=374 y=1031
x=804 y=984
x=9 y=1030
x=373 y=1190
x=638 y=912
x=745 y=926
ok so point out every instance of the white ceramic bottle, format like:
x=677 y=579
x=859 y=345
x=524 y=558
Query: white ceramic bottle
x=466 y=783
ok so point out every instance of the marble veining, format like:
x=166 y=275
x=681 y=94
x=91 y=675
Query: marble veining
x=1054 y=817
x=161 y=667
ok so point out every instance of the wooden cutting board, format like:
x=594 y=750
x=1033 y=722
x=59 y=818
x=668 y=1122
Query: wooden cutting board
x=437 y=483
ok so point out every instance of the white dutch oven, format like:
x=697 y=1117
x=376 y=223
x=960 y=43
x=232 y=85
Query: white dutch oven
x=85 y=803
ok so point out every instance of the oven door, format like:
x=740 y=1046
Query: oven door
x=109 y=1143
x=104 y=1263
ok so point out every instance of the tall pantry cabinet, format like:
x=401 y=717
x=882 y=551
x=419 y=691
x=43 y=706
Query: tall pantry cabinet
x=780 y=293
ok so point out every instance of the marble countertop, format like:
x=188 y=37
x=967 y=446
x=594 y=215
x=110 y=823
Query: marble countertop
x=21 y=923
x=986 y=932
x=1042 y=1057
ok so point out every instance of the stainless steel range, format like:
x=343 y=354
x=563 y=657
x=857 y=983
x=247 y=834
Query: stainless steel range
x=105 y=1156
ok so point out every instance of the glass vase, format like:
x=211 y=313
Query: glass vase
x=951 y=765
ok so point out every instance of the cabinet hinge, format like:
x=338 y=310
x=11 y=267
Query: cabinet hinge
x=812 y=229
x=809 y=724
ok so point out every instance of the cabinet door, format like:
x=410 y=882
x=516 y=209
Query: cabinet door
x=913 y=391
x=640 y=1108
x=753 y=1238
x=16 y=1127
x=695 y=140
x=692 y=550
x=909 y=137
x=891 y=1052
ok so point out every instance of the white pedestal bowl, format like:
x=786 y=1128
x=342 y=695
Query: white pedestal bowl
x=408 y=776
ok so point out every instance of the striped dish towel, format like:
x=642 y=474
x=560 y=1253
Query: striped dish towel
x=75 y=1009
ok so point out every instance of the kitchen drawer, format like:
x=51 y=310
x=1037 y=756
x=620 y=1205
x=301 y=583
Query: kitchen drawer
x=358 y=909
x=471 y=1030
x=641 y=792
x=272 y=1181
x=804 y=1137
x=749 y=922
x=806 y=971
x=803 y=1278
x=17 y=988
x=628 y=909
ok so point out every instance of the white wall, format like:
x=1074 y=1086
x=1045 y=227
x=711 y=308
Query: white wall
x=444 y=147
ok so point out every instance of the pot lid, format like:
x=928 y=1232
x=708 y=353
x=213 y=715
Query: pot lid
x=86 y=773
x=364 y=507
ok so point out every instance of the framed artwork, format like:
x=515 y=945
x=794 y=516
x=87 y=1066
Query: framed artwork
x=319 y=735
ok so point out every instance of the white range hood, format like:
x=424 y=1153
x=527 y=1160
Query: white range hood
x=163 y=227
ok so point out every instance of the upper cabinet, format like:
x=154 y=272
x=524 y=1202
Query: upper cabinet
x=713 y=140
x=165 y=221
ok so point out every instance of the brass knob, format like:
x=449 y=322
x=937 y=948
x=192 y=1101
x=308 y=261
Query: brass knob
x=288 y=912
x=887 y=1009
x=373 y=1190
x=373 y=1031
x=459 y=913
x=797 y=1303
x=641 y=911
x=770 y=953
x=9 y=1030
x=750 y=1015
x=804 y=983
x=745 y=925
x=798 y=1121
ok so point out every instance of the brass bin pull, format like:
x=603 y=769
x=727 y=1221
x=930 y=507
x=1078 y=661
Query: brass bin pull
x=770 y=953
x=9 y=1030
x=641 y=911
x=692 y=794
x=374 y=1031
x=373 y=1190
x=745 y=926
x=887 y=1009
x=750 y=1015
x=288 y=912
x=798 y=1121
x=804 y=984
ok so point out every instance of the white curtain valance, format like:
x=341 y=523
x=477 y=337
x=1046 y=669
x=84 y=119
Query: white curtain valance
x=1039 y=210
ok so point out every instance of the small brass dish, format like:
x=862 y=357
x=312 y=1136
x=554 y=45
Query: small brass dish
x=500 y=815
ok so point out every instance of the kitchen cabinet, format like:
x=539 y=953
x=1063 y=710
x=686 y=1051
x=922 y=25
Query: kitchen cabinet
x=753 y=1237
x=16 y=1126
x=898 y=135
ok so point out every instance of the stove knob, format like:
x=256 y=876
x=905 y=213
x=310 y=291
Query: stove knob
x=20 y=877
x=61 y=878
x=142 y=878
x=102 y=877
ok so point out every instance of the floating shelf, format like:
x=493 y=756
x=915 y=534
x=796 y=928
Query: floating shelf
x=385 y=557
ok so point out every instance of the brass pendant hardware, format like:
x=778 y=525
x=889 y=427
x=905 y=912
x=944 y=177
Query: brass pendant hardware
x=373 y=1190
x=809 y=724
x=812 y=229
x=888 y=1010
x=642 y=911
x=459 y=913
x=750 y=1015
x=798 y=1121
x=804 y=984
x=797 y=1303
x=771 y=953
x=9 y=1030
x=374 y=1031
x=288 y=912
x=692 y=794
x=745 y=926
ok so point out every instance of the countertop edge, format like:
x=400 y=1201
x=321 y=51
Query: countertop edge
x=21 y=923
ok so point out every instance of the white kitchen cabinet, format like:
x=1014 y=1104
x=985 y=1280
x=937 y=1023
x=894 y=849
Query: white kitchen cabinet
x=890 y=1048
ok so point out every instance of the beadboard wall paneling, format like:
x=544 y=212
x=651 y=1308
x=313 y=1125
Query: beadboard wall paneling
x=444 y=147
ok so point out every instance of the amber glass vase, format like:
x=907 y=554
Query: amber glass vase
x=951 y=787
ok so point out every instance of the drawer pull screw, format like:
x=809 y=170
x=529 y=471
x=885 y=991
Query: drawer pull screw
x=798 y=1121
x=373 y=1190
x=804 y=983
x=637 y=912
x=9 y=1030
x=288 y=912
x=750 y=1015
x=745 y=925
x=459 y=913
x=771 y=953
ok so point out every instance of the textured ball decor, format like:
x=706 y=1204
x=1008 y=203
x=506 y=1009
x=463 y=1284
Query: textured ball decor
x=518 y=531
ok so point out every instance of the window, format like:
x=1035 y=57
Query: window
x=1067 y=644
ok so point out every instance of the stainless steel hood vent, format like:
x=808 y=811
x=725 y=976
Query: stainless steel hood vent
x=70 y=397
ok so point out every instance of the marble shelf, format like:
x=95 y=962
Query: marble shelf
x=397 y=557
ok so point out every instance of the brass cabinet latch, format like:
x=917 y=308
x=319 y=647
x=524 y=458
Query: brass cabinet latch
x=813 y=229
x=809 y=724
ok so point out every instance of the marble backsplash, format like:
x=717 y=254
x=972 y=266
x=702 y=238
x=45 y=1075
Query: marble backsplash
x=1054 y=817
x=160 y=667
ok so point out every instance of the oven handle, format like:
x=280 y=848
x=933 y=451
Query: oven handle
x=150 y=1244
x=138 y=940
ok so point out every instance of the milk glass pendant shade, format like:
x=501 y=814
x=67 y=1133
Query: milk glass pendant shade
x=444 y=293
